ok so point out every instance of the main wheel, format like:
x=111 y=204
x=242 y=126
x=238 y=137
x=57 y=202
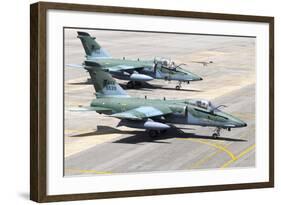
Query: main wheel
x=178 y=87
x=138 y=83
x=153 y=133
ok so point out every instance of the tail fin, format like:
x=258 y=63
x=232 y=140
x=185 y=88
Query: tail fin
x=91 y=47
x=104 y=84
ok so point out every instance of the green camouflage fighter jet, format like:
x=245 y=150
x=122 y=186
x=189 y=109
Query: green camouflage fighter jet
x=155 y=115
x=134 y=71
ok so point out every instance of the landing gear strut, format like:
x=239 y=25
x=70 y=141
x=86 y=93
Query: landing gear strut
x=131 y=84
x=178 y=87
x=217 y=132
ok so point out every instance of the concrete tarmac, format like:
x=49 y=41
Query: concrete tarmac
x=93 y=144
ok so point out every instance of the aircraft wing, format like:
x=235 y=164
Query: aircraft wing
x=143 y=112
x=122 y=68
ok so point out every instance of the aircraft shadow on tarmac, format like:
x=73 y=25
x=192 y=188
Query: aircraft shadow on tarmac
x=81 y=83
x=145 y=86
x=140 y=136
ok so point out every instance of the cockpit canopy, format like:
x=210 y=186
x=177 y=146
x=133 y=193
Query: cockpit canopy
x=202 y=103
x=205 y=104
x=165 y=62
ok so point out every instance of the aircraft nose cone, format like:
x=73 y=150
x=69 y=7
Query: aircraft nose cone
x=232 y=120
x=242 y=124
x=196 y=78
x=237 y=122
x=192 y=77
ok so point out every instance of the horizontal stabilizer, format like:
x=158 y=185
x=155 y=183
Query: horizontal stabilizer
x=83 y=109
x=74 y=65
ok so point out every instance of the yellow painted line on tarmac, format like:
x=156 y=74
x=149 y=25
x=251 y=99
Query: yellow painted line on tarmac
x=91 y=171
x=208 y=157
x=82 y=143
x=204 y=159
x=239 y=156
x=217 y=146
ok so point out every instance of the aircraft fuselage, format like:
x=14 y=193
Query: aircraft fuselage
x=145 y=67
x=183 y=111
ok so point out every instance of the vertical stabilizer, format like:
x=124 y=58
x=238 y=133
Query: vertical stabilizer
x=103 y=82
x=91 y=46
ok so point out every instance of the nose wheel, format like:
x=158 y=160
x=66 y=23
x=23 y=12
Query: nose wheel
x=178 y=87
x=217 y=132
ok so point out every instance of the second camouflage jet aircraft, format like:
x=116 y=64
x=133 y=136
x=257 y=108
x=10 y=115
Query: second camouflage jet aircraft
x=134 y=71
x=154 y=115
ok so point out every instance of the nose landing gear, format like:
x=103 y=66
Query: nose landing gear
x=217 y=132
x=178 y=87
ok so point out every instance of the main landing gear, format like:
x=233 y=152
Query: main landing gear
x=133 y=84
x=155 y=133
